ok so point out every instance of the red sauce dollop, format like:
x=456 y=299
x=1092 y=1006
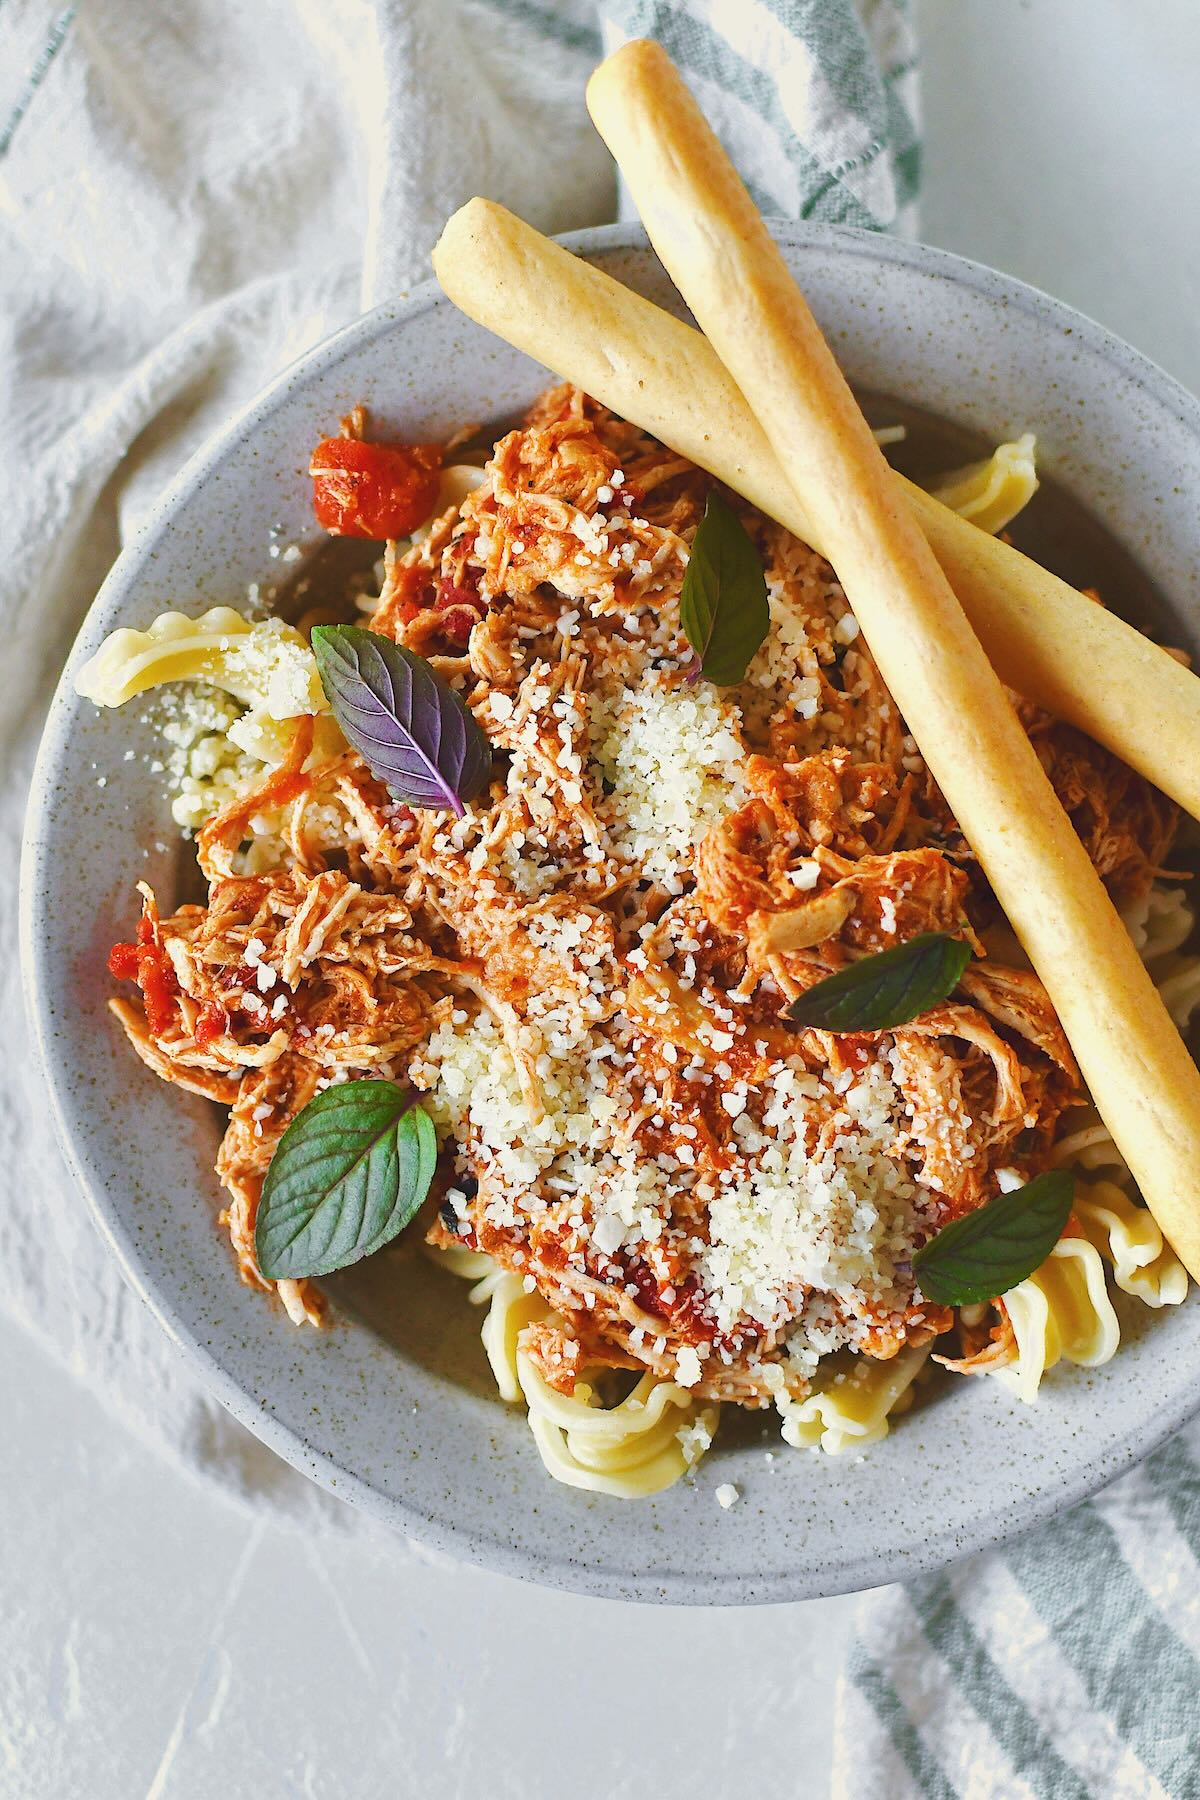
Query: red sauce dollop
x=148 y=964
x=212 y=1022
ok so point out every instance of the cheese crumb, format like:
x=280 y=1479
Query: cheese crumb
x=727 y=1495
x=694 y=1440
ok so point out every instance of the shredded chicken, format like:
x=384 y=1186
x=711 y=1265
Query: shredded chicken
x=988 y=1345
x=566 y=922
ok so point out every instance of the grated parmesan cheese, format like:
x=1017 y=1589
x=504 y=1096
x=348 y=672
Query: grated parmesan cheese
x=673 y=760
x=835 y=1215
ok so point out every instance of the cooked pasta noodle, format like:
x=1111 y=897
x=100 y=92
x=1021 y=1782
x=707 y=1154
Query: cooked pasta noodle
x=636 y=1447
x=268 y=666
x=471 y=1265
x=641 y=1445
x=1164 y=927
x=459 y=480
x=510 y=1308
x=269 y=740
x=991 y=493
x=853 y=1403
x=1087 y=1145
x=1159 y=922
x=1128 y=1237
x=216 y=752
x=1062 y=1311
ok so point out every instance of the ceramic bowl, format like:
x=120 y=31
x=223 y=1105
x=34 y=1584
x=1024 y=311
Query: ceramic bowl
x=394 y=1409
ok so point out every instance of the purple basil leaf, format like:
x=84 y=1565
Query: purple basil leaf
x=412 y=730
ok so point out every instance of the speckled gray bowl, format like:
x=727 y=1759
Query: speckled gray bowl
x=394 y=1410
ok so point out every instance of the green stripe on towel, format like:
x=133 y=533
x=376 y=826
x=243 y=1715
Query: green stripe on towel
x=1079 y=1582
x=702 y=54
x=1175 y=1477
x=982 y=1685
x=37 y=74
x=893 y=1715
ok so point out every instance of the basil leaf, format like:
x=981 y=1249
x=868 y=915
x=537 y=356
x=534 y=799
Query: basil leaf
x=349 y=1172
x=412 y=730
x=723 y=606
x=885 y=990
x=993 y=1248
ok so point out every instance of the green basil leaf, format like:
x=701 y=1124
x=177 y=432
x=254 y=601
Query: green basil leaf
x=349 y=1172
x=723 y=606
x=889 y=989
x=990 y=1250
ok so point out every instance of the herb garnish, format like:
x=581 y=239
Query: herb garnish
x=887 y=989
x=723 y=605
x=411 y=729
x=991 y=1249
x=347 y=1175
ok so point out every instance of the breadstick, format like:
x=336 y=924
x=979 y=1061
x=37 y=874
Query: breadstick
x=720 y=255
x=1042 y=636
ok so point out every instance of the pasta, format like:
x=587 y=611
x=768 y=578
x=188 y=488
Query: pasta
x=1128 y=1238
x=636 y=1447
x=991 y=493
x=471 y=1265
x=457 y=481
x=1164 y=927
x=658 y=1431
x=511 y=1307
x=267 y=666
x=853 y=1404
x=663 y=1196
x=1160 y=921
x=248 y=685
x=1063 y=1311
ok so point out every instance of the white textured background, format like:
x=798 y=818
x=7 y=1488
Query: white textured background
x=151 y=1643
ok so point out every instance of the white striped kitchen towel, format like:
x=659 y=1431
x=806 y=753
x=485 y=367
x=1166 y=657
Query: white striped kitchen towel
x=817 y=99
x=192 y=195
x=1064 y=1667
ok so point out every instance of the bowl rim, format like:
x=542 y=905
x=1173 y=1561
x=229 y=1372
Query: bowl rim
x=854 y=1572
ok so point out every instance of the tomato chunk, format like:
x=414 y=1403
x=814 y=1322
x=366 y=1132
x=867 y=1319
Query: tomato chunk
x=373 y=490
x=212 y=1022
x=147 y=963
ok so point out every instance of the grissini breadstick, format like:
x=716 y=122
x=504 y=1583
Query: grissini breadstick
x=1042 y=636
x=720 y=255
